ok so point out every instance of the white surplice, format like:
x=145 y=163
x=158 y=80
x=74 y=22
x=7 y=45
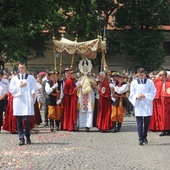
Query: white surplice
x=86 y=108
x=143 y=107
x=23 y=102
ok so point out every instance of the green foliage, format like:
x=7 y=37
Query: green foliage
x=145 y=48
x=140 y=38
x=23 y=23
x=21 y=28
x=142 y=14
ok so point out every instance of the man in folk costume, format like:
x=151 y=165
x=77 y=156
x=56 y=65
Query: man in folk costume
x=54 y=89
x=162 y=100
x=86 y=96
x=69 y=120
x=118 y=102
x=104 y=114
x=142 y=93
x=114 y=78
x=24 y=90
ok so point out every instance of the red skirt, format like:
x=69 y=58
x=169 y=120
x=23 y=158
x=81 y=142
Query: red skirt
x=10 y=121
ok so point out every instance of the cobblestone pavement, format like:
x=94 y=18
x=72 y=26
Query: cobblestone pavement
x=81 y=150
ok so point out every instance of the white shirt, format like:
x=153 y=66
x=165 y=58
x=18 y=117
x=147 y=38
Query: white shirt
x=49 y=89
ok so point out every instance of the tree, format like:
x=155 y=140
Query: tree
x=21 y=27
x=24 y=22
x=141 y=38
x=136 y=20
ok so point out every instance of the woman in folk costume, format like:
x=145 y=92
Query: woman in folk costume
x=54 y=89
x=118 y=102
x=86 y=96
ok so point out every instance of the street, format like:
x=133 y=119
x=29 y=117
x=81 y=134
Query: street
x=81 y=150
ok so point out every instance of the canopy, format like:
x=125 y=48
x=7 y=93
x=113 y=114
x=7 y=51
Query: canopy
x=87 y=49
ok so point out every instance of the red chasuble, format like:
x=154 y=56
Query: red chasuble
x=70 y=105
x=157 y=108
x=104 y=114
x=165 y=102
x=161 y=107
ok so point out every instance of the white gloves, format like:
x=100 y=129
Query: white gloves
x=58 y=101
x=113 y=99
x=55 y=86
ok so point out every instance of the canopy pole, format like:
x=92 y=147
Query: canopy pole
x=72 y=60
x=101 y=67
x=61 y=62
x=55 y=60
x=73 y=56
x=101 y=62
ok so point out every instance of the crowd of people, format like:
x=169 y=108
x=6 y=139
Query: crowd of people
x=72 y=101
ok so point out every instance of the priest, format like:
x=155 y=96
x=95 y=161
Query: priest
x=86 y=96
x=162 y=105
x=69 y=120
x=104 y=112
x=157 y=109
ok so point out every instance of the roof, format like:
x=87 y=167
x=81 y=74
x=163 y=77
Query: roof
x=110 y=25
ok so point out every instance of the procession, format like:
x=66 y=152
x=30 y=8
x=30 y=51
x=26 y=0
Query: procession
x=53 y=108
x=82 y=100
x=85 y=85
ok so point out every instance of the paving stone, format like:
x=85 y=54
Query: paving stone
x=64 y=150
